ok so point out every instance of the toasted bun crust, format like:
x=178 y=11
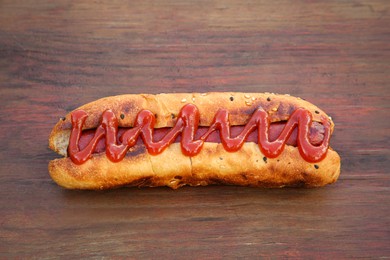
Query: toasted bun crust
x=167 y=106
x=213 y=165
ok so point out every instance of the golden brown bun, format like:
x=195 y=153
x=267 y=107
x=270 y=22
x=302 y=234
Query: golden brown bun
x=167 y=106
x=213 y=165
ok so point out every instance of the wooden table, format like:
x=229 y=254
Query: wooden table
x=56 y=56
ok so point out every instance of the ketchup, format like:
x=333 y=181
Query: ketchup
x=187 y=124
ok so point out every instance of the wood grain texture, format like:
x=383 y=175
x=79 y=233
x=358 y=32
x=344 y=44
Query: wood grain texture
x=57 y=56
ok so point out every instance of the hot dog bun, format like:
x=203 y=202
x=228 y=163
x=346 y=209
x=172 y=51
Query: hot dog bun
x=213 y=165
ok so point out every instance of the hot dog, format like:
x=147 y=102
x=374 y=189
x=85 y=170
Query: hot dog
x=247 y=139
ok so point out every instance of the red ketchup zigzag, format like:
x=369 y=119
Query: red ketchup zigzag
x=187 y=124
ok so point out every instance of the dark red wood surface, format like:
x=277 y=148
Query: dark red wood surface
x=58 y=55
